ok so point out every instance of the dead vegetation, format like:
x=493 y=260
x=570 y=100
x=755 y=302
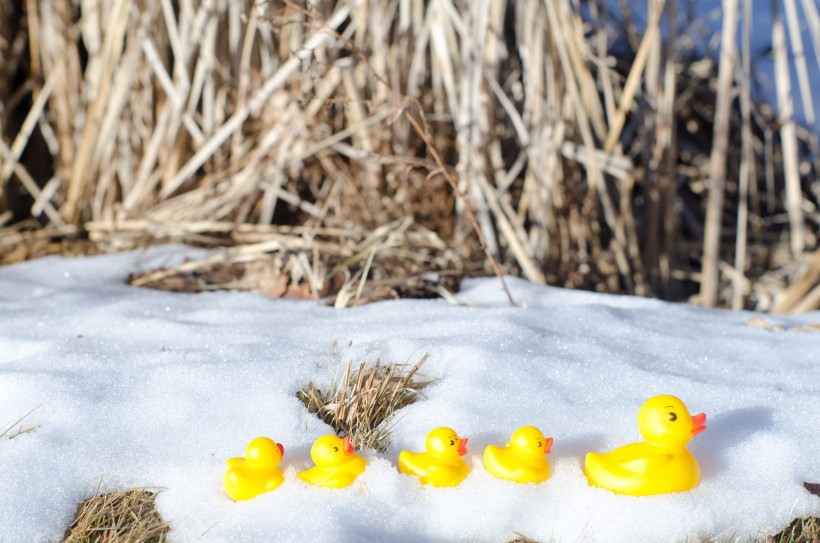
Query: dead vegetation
x=805 y=530
x=763 y=324
x=389 y=263
x=802 y=530
x=10 y=432
x=123 y=516
x=357 y=140
x=363 y=401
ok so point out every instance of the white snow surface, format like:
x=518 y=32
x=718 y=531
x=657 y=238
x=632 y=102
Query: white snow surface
x=154 y=389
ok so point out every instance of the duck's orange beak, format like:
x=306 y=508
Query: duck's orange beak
x=462 y=446
x=698 y=423
x=548 y=446
x=348 y=448
x=281 y=450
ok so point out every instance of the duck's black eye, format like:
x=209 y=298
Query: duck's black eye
x=672 y=417
x=452 y=442
x=335 y=449
x=539 y=444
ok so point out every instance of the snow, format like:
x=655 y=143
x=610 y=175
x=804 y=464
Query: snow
x=147 y=388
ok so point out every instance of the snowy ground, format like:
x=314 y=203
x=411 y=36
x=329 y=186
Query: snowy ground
x=147 y=388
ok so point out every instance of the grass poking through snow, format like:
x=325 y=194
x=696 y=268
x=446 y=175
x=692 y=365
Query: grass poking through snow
x=802 y=530
x=7 y=432
x=364 y=401
x=123 y=516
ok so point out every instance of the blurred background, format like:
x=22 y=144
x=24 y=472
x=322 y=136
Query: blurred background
x=370 y=149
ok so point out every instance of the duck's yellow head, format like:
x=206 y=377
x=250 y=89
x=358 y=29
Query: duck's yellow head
x=529 y=442
x=331 y=450
x=263 y=452
x=664 y=420
x=444 y=441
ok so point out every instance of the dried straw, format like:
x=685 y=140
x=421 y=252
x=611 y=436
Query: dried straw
x=533 y=137
x=362 y=403
x=122 y=516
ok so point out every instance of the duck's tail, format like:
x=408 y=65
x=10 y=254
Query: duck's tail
x=408 y=464
x=233 y=462
x=491 y=457
x=591 y=465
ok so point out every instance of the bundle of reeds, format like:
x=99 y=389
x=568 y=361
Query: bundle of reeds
x=358 y=138
x=363 y=402
x=121 y=516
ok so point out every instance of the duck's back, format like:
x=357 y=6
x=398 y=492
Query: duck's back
x=642 y=469
x=355 y=465
x=447 y=472
x=336 y=476
x=504 y=462
x=244 y=482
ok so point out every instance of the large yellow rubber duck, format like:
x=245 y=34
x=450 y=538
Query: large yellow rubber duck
x=336 y=465
x=661 y=463
x=523 y=459
x=258 y=472
x=441 y=464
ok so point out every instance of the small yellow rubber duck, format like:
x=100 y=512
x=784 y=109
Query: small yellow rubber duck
x=258 y=472
x=336 y=465
x=661 y=463
x=523 y=460
x=441 y=464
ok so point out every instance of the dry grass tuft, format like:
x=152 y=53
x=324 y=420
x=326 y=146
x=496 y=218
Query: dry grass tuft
x=123 y=516
x=363 y=403
x=802 y=530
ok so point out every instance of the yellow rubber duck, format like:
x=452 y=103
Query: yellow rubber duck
x=336 y=465
x=661 y=463
x=441 y=464
x=258 y=472
x=523 y=460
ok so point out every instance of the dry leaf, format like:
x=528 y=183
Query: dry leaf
x=814 y=488
x=760 y=322
x=375 y=294
x=333 y=285
x=220 y=275
x=178 y=283
x=301 y=292
x=278 y=287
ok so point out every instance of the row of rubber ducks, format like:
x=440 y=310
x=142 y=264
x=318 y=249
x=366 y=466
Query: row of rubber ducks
x=658 y=465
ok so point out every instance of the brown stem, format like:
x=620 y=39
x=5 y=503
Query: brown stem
x=425 y=136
